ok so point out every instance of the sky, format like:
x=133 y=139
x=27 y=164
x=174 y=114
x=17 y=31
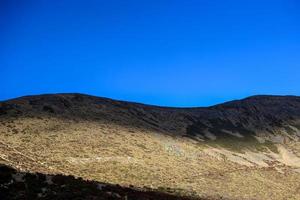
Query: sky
x=168 y=53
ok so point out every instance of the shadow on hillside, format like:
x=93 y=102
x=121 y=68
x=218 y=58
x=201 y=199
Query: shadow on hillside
x=233 y=125
x=21 y=185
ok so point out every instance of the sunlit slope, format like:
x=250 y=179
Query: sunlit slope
x=247 y=149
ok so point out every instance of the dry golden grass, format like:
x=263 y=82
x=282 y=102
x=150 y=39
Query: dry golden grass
x=111 y=145
x=130 y=156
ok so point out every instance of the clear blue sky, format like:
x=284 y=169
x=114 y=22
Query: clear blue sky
x=174 y=53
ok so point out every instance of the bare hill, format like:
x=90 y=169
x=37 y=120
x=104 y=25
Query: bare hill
x=244 y=149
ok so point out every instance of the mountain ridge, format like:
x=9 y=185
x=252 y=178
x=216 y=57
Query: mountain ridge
x=258 y=96
x=260 y=109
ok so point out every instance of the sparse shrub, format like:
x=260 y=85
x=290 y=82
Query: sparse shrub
x=48 y=109
x=15 y=131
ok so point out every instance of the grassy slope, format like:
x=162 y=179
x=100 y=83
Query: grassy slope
x=22 y=185
x=135 y=155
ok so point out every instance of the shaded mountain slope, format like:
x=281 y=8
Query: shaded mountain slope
x=271 y=118
x=244 y=149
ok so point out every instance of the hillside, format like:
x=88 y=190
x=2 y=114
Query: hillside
x=244 y=149
x=25 y=185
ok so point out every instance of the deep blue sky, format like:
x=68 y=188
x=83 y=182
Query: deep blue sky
x=175 y=53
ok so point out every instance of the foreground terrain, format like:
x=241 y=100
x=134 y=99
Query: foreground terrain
x=22 y=185
x=246 y=149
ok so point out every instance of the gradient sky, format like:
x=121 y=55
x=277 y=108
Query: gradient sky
x=174 y=53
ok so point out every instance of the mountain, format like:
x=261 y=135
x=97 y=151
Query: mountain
x=243 y=149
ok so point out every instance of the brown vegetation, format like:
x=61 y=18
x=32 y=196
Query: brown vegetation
x=226 y=151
